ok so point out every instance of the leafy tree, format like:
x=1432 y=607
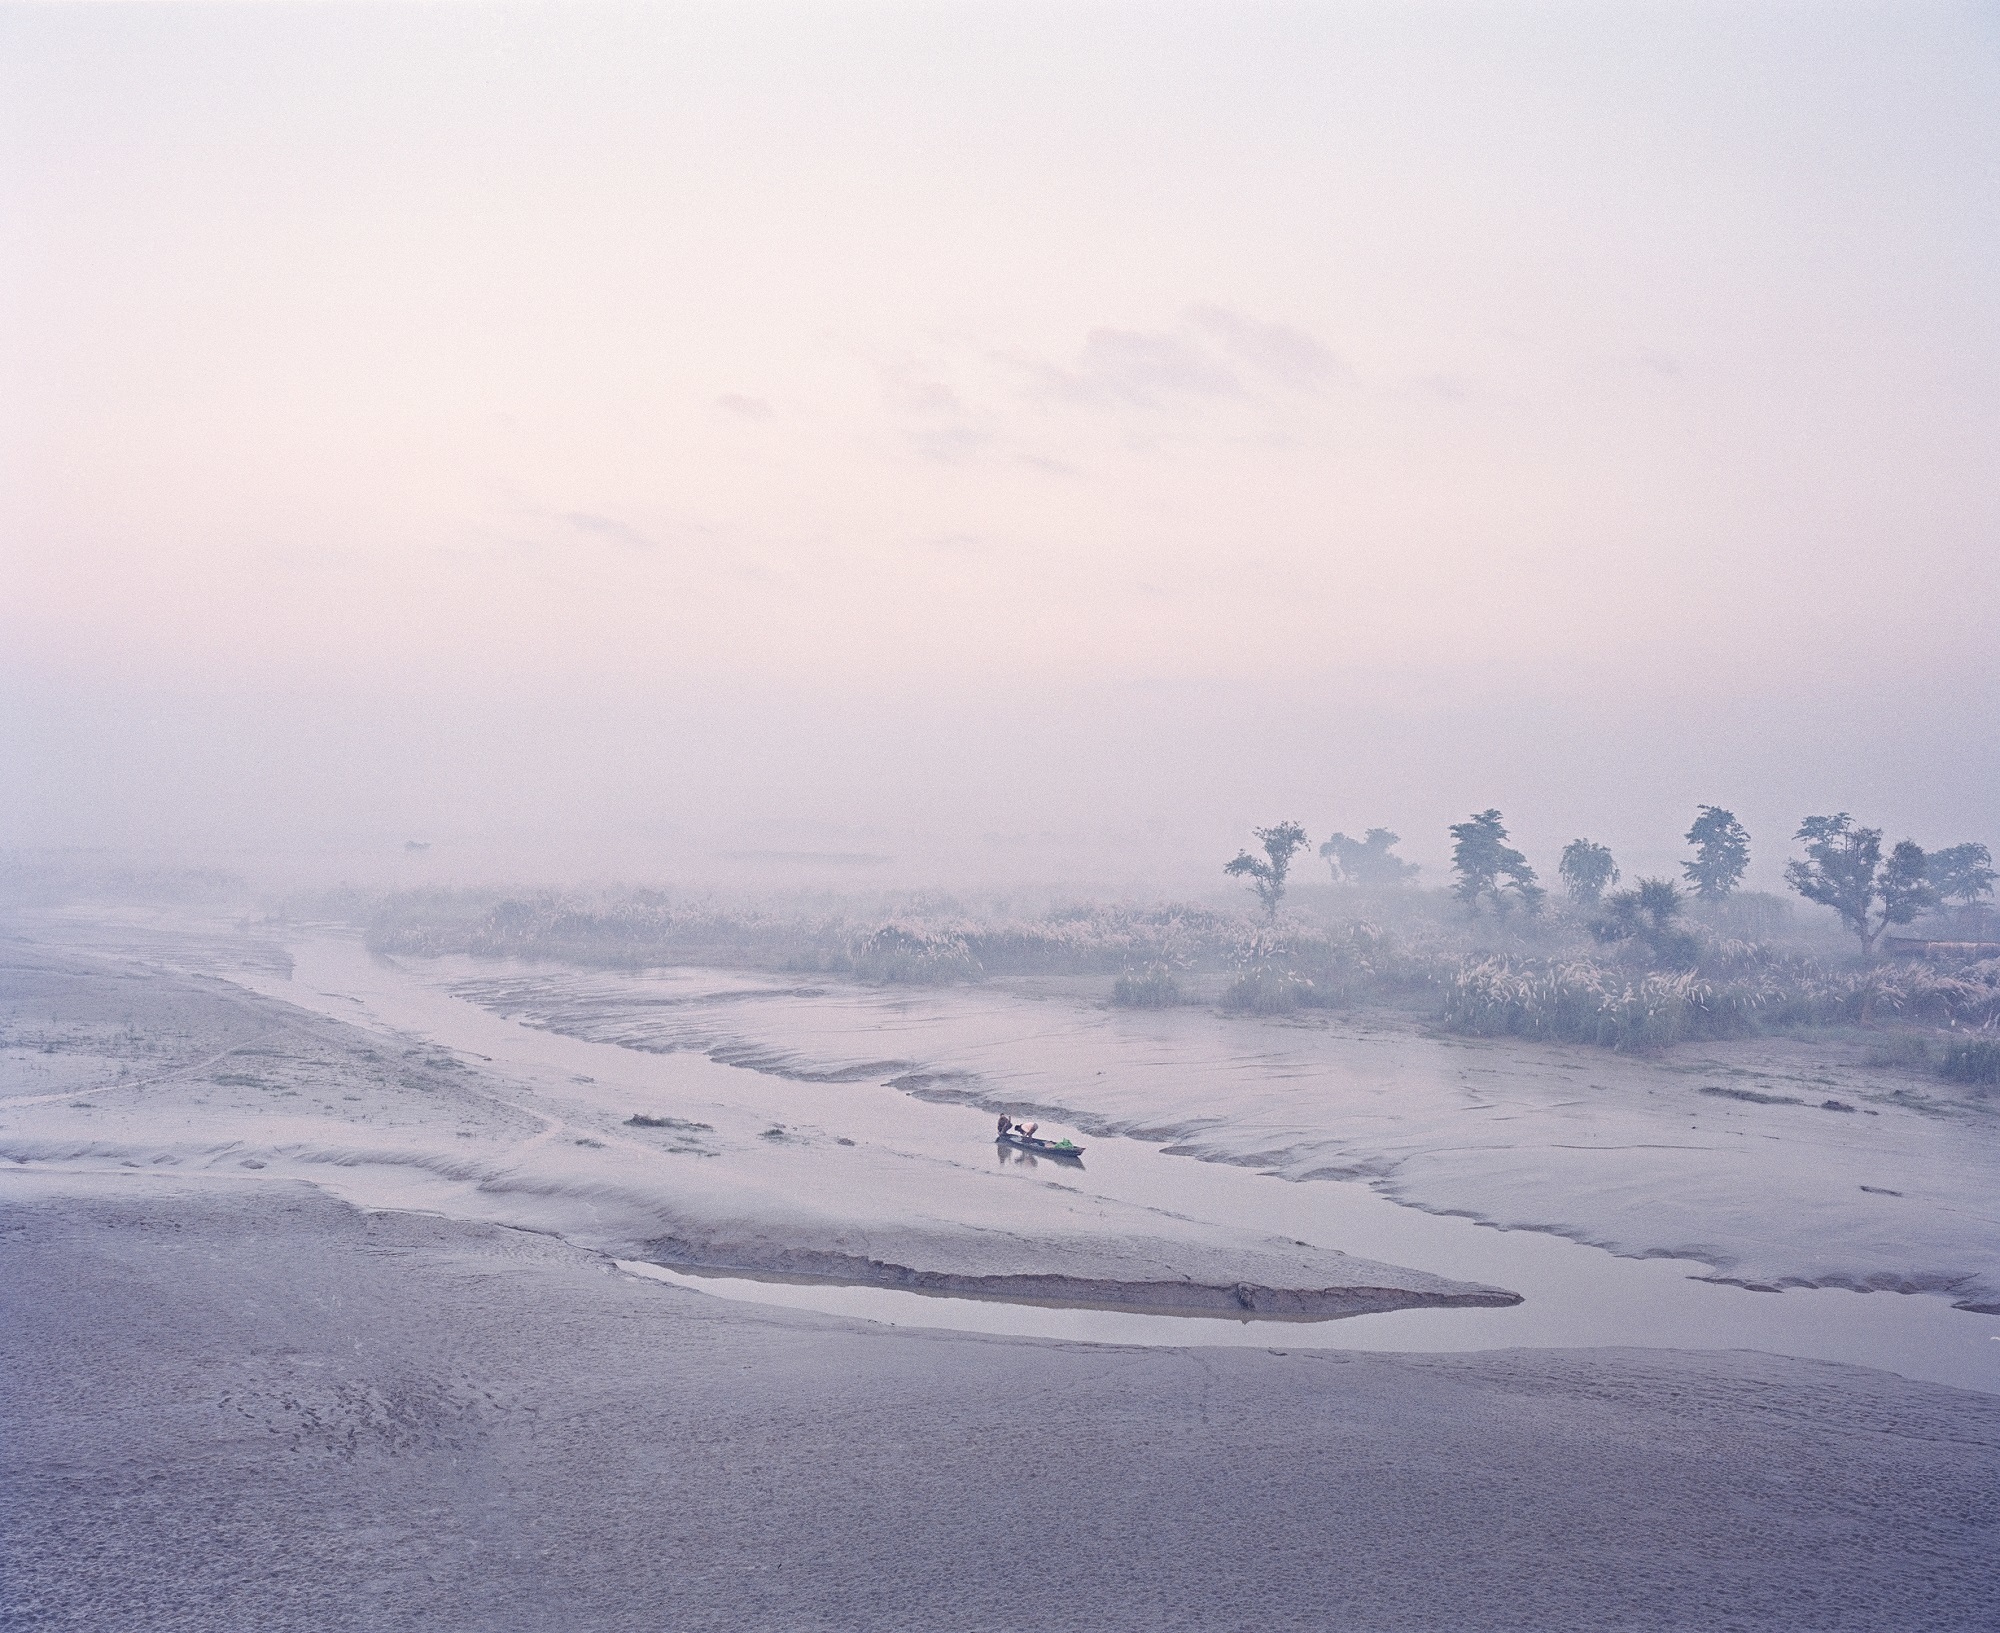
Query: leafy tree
x=1482 y=858
x=1267 y=876
x=1369 y=860
x=1844 y=870
x=1721 y=853
x=1906 y=886
x=1647 y=915
x=1961 y=873
x=1586 y=868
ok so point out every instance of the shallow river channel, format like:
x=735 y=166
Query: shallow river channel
x=1573 y=1295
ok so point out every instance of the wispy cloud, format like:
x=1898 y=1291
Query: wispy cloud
x=953 y=409
x=1133 y=368
x=1277 y=351
x=935 y=420
x=610 y=528
x=957 y=440
x=1213 y=354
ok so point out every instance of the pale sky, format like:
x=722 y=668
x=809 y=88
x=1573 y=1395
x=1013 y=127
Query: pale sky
x=901 y=422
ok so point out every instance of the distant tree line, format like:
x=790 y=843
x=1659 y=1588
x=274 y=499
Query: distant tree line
x=1844 y=867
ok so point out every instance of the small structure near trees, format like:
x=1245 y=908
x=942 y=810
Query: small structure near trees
x=1844 y=869
x=1964 y=929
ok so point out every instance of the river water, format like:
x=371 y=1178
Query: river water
x=1574 y=1295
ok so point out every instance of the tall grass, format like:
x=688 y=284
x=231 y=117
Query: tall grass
x=1586 y=1002
x=914 y=955
x=917 y=943
x=1269 y=990
x=1154 y=988
x=1548 y=979
x=1972 y=1061
x=1581 y=1001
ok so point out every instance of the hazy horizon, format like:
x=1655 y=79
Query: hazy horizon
x=1024 y=443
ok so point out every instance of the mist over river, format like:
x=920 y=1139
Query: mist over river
x=443 y=1274
x=629 y=633
x=1632 y=1207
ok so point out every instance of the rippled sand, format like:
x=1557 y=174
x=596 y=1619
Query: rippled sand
x=312 y=1315
x=260 y=1408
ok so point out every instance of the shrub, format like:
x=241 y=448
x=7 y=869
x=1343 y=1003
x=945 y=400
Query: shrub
x=1273 y=991
x=1748 y=915
x=1540 y=979
x=914 y=955
x=1900 y=1049
x=1976 y=1061
x=1149 y=989
x=1645 y=917
x=1585 y=1002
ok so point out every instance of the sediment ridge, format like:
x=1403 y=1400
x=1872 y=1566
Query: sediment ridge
x=1244 y=1300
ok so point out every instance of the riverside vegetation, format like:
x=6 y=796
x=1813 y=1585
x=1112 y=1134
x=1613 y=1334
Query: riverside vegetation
x=1636 y=969
x=1679 y=974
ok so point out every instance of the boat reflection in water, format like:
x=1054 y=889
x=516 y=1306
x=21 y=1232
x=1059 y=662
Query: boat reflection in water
x=1024 y=1145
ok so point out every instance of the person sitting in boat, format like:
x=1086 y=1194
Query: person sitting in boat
x=1006 y=1125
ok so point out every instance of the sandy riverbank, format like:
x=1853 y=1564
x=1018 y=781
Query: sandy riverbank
x=1775 y=1162
x=310 y=1321
x=113 y=1066
x=259 y=1407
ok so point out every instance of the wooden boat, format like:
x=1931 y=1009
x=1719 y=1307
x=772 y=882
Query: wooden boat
x=1040 y=1147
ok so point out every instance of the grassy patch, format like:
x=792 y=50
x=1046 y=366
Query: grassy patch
x=1148 y=989
x=1737 y=967
x=1976 y=1061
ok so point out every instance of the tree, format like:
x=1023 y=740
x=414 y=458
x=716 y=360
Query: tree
x=1481 y=857
x=1961 y=873
x=1369 y=860
x=1586 y=868
x=1844 y=870
x=1267 y=876
x=1906 y=886
x=1648 y=915
x=1721 y=853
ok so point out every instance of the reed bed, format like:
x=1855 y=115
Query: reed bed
x=1548 y=980
x=1584 y=1001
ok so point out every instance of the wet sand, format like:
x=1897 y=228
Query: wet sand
x=263 y=1408
x=312 y=1319
x=177 y=1073
x=1774 y=1162
x=1624 y=1202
